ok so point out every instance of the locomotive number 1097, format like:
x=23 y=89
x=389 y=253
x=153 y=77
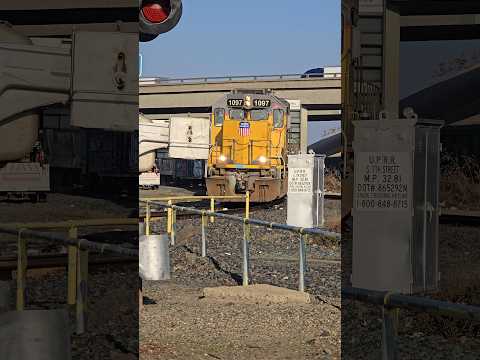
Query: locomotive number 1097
x=235 y=102
x=261 y=103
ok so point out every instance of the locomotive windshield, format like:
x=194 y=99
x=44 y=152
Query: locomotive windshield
x=219 y=116
x=237 y=114
x=277 y=118
x=258 y=114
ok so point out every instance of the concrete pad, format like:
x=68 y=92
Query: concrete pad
x=258 y=293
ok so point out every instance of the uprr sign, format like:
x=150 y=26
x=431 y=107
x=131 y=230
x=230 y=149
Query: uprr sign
x=300 y=180
x=382 y=181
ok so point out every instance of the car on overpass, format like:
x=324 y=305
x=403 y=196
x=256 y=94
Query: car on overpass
x=322 y=72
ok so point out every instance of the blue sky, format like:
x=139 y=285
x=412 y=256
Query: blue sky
x=223 y=37
x=249 y=37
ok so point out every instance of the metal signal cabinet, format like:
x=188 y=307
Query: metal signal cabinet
x=396 y=205
x=305 y=195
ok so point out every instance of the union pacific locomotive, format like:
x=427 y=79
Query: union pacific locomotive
x=249 y=146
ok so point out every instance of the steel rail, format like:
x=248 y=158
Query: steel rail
x=72 y=223
x=82 y=244
x=60 y=260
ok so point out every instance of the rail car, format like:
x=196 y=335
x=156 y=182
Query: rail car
x=249 y=146
x=88 y=157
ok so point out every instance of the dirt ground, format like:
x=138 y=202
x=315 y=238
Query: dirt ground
x=60 y=207
x=180 y=324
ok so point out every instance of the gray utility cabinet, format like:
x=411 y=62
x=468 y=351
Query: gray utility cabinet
x=305 y=196
x=396 y=205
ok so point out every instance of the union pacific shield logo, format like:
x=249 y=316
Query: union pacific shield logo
x=244 y=129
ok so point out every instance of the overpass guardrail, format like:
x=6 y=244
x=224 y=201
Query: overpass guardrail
x=153 y=81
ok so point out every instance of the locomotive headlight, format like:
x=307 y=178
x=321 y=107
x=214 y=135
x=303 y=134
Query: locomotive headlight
x=222 y=158
x=262 y=159
x=248 y=101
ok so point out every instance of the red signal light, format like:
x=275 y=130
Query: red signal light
x=156 y=12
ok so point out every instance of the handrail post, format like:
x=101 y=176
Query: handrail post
x=246 y=237
x=301 y=276
x=212 y=209
x=169 y=217
x=72 y=268
x=247 y=204
x=174 y=227
x=389 y=329
x=204 y=235
x=147 y=219
x=82 y=291
x=21 y=271
x=140 y=295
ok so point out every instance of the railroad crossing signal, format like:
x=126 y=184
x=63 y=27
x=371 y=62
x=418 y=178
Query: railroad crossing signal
x=157 y=17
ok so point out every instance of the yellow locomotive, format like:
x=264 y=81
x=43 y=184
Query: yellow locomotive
x=249 y=146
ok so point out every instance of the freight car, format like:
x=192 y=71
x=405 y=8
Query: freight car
x=180 y=171
x=88 y=157
x=249 y=145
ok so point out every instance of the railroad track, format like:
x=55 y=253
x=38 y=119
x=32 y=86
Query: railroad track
x=9 y=263
x=228 y=208
x=467 y=217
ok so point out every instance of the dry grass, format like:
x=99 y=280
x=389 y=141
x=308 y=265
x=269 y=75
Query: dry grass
x=333 y=182
x=460 y=182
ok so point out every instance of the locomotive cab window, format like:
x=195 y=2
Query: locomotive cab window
x=277 y=118
x=237 y=114
x=219 y=117
x=258 y=114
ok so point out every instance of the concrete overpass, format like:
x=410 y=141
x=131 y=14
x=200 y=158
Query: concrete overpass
x=452 y=100
x=319 y=96
x=329 y=145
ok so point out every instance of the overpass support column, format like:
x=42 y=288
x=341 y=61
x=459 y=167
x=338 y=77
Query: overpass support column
x=391 y=62
x=303 y=130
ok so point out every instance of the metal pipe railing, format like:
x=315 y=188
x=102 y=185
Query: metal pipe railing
x=391 y=304
x=77 y=269
x=416 y=303
x=271 y=225
x=246 y=221
x=171 y=212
